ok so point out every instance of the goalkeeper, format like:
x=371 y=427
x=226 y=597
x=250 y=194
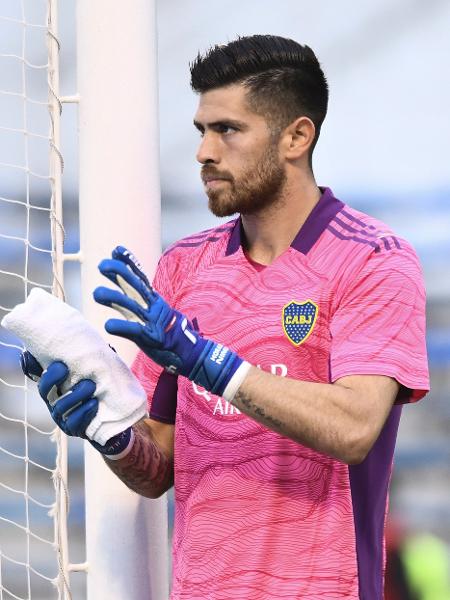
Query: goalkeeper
x=276 y=351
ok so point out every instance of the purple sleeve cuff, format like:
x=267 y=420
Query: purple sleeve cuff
x=164 y=401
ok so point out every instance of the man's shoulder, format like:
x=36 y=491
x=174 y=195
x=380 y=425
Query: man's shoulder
x=206 y=244
x=365 y=235
x=355 y=244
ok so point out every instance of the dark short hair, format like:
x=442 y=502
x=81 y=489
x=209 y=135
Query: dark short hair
x=284 y=79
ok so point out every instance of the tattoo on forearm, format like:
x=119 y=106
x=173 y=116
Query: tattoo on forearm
x=244 y=402
x=146 y=469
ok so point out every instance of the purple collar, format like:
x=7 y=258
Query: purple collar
x=318 y=219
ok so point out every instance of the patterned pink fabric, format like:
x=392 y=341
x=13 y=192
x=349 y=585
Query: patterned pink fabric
x=258 y=516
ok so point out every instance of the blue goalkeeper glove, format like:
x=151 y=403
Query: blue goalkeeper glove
x=74 y=410
x=163 y=333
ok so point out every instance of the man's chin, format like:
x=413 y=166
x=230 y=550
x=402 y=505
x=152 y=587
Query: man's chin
x=220 y=207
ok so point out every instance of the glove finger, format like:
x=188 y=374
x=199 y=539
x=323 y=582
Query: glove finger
x=130 y=283
x=75 y=397
x=127 y=257
x=30 y=366
x=133 y=331
x=55 y=374
x=78 y=420
x=130 y=309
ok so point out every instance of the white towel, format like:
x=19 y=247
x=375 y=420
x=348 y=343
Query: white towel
x=52 y=330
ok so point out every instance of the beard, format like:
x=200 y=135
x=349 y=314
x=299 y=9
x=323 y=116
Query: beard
x=258 y=187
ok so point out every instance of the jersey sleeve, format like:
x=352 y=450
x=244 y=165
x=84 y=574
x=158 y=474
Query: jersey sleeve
x=378 y=327
x=160 y=387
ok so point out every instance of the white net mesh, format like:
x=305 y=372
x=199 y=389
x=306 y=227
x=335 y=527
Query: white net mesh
x=33 y=548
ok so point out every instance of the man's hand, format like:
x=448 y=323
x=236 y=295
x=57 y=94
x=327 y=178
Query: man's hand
x=163 y=333
x=74 y=410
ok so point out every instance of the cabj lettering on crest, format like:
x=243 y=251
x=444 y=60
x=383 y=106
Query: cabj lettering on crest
x=297 y=320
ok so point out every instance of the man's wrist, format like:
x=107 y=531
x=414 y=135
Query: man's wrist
x=236 y=381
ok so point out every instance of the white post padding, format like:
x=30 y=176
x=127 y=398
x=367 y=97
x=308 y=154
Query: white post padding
x=127 y=537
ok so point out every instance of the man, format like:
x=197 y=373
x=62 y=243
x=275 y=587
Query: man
x=276 y=351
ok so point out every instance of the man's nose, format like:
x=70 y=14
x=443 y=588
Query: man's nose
x=208 y=150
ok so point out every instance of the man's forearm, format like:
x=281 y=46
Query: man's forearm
x=342 y=420
x=146 y=469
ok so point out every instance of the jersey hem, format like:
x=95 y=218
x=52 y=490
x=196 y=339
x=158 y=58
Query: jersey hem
x=417 y=389
x=161 y=419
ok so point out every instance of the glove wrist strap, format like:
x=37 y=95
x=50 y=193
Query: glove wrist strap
x=118 y=446
x=216 y=367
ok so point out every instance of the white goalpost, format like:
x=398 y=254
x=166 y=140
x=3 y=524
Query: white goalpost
x=119 y=203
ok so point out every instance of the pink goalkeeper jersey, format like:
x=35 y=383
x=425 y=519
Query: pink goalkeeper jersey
x=258 y=516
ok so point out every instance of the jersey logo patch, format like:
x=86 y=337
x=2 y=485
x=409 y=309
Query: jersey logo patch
x=298 y=320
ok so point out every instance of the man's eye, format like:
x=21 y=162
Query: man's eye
x=225 y=129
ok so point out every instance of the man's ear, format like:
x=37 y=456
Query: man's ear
x=298 y=138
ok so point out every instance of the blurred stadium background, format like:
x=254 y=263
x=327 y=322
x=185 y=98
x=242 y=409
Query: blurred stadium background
x=384 y=149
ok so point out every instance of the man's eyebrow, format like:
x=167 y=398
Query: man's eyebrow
x=226 y=122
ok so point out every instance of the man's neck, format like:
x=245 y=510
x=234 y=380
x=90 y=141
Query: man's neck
x=269 y=233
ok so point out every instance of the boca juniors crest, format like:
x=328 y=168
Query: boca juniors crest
x=298 y=320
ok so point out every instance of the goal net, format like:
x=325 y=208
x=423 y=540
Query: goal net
x=36 y=532
x=33 y=455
